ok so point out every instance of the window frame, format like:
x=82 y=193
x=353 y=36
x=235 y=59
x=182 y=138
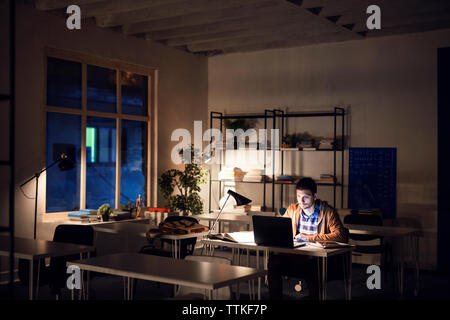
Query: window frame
x=150 y=119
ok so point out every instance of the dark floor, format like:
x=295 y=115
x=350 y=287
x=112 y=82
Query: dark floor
x=433 y=286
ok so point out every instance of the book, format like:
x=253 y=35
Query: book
x=236 y=237
x=328 y=244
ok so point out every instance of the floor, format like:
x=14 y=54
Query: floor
x=433 y=286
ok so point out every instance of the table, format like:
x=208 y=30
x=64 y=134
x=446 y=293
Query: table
x=322 y=254
x=406 y=234
x=31 y=250
x=204 y=275
x=140 y=229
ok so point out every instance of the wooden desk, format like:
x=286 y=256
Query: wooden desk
x=322 y=254
x=204 y=275
x=31 y=250
x=409 y=241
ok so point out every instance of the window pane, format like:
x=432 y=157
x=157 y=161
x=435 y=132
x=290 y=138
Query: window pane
x=63 y=83
x=134 y=94
x=134 y=161
x=100 y=162
x=101 y=89
x=63 y=187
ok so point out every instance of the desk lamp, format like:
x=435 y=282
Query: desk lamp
x=65 y=164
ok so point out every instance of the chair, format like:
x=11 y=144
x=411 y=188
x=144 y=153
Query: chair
x=383 y=249
x=187 y=246
x=55 y=275
x=76 y=234
x=190 y=293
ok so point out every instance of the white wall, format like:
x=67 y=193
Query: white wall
x=390 y=87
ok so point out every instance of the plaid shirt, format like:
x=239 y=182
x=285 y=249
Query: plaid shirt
x=308 y=225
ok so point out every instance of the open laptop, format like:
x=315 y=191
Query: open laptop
x=274 y=231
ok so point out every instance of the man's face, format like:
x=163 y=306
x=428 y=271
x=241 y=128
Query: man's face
x=305 y=198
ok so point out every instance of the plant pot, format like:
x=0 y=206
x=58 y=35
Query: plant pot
x=105 y=217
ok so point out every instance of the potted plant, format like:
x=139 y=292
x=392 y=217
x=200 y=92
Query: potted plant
x=186 y=183
x=105 y=210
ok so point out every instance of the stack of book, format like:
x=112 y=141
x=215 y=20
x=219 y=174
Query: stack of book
x=326 y=143
x=285 y=178
x=253 y=175
x=326 y=178
x=235 y=174
x=83 y=215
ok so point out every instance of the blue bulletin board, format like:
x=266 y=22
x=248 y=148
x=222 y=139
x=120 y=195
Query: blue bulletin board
x=372 y=179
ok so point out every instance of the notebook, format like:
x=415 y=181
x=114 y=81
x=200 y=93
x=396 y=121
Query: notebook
x=274 y=231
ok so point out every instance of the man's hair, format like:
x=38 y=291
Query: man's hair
x=307 y=184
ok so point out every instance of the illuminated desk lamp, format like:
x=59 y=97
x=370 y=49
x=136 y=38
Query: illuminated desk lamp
x=240 y=201
x=65 y=164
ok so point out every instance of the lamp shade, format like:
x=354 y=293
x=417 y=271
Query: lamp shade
x=240 y=200
x=65 y=163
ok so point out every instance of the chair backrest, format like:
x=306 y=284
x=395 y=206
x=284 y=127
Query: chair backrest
x=76 y=234
x=364 y=219
x=218 y=294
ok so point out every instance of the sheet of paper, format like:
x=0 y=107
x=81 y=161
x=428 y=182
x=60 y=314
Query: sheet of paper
x=243 y=237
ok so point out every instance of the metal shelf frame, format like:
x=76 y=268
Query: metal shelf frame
x=273 y=115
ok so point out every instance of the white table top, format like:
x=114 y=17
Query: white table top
x=140 y=230
x=205 y=275
x=31 y=249
x=386 y=231
x=305 y=250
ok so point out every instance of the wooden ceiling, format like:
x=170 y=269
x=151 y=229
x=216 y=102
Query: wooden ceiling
x=214 y=27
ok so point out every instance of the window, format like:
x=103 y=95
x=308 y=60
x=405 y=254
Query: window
x=98 y=114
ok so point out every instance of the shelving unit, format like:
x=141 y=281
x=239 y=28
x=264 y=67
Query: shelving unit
x=10 y=163
x=280 y=114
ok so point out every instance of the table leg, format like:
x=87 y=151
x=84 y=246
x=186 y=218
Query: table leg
x=30 y=288
x=324 y=278
x=349 y=273
x=38 y=277
x=81 y=291
x=259 y=288
x=88 y=276
x=416 y=258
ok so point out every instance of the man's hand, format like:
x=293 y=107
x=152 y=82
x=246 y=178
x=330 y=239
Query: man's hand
x=301 y=237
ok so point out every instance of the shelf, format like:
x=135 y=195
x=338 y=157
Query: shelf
x=286 y=150
x=312 y=114
x=251 y=116
x=5 y=163
x=5 y=97
x=276 y=182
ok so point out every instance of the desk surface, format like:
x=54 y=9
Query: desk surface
x=34 y=249
x=305 y=250
x=140 y=229
x=386 y=231
x=205 y=275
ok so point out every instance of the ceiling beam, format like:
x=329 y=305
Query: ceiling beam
x=336 y=36
x=276 y=16
x=120 y=6
x=243 y=32
x=242 y=11
x=166 y=11
x=289 y=32
x=60 y=4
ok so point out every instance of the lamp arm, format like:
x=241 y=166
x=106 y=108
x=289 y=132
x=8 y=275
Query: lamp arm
x=37 y=174
x=218 y=216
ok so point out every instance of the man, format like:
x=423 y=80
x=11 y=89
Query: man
x=312 y=220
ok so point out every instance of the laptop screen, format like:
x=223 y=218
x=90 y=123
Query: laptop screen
x=273 y=231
